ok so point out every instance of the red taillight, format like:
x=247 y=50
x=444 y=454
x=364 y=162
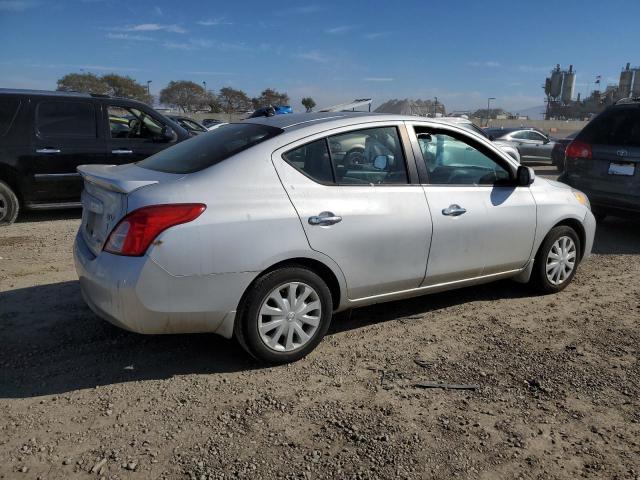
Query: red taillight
x=135 y=232
x=577 y=149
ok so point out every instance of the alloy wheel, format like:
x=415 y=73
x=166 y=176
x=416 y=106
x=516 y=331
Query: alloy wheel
x=289 y=316
x=561 y=260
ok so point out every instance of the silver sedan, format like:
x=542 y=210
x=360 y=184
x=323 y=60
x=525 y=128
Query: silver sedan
x=264 y=229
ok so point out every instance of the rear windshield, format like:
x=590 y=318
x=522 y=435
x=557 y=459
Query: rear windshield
x=618 y=126
x=209 y=148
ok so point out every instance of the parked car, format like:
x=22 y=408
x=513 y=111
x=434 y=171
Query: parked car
x=469 y=125
x=44 y=136
x=189 y=124
x=604 y=161
x=557 y=153
x=257 y=231
x=532 y=144
x=208 y=122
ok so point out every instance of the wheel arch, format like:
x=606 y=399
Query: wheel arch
x=9 y=176
x=577 y=226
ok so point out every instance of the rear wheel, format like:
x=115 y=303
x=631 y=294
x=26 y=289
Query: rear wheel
x=285 y=315
x=557 y=260
x=9 y=205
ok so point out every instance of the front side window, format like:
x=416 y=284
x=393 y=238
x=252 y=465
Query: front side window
x=452 y=161
x=127 y=122
x=66 y=119
x=204 y=151
x=535 y=136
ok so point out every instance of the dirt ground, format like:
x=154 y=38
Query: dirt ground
x=558 y=377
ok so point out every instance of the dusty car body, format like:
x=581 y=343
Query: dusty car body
x=256 y=231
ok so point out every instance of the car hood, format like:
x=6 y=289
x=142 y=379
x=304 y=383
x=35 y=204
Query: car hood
x=539 y=181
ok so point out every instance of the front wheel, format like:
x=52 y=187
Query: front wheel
x=557 y=260
x=285 y=315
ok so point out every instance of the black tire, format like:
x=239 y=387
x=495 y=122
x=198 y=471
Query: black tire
x=539 y=279
x=9 y=205
x=247 y=320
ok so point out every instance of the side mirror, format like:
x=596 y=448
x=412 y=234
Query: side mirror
x=546 y=140
x=525 y=176
x=492 y=138
x=380 y=162
x=167 y=134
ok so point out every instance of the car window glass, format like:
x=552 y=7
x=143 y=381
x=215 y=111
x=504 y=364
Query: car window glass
x=619 y=127
x=203 y=151
x=127 y=122
x=66 y=119
x=535 y=136
x=313 y=160
x=8 y=111
x=521 y=135
x=450 y=161
x=369 y=156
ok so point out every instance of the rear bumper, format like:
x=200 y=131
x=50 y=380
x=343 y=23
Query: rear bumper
x=138 y=295
x=603 y=200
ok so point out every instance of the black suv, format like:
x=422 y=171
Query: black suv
x=604 y=161
x=45 y=135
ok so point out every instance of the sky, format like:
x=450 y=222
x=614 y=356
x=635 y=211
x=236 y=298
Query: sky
x=334 y=51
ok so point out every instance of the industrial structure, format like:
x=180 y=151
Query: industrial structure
x=559 y=87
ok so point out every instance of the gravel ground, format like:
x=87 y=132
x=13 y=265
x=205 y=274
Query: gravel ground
x=558 y=377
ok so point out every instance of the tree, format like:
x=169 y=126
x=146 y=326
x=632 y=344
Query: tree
x=233 y=100
x=185 y=94
x=82 y=82
x=111 y=84
x=308 y=103
x=271 y=97
x=126 y=87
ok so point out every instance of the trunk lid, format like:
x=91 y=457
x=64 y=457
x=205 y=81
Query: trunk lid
x=614 y=169
x=104 y=198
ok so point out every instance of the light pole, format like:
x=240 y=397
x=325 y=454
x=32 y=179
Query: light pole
x=435 y=108
x=148 y=88
x=489 y=108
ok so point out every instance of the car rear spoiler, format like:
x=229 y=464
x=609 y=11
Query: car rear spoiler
x=117 y=178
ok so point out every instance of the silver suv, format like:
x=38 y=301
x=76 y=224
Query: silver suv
x=604 y=161
x=263 y=229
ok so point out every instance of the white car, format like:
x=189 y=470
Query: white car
x=259 y=231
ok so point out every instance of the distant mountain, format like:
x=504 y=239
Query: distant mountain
x=534 y=113
x=410 y=107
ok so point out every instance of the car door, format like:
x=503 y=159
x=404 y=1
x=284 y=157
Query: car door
x=65 y=134
x=367 y=213
x=483 y=223
x=133 y=134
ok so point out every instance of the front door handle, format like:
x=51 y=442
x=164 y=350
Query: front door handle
x=48 y=150
x=325 y=218
x=454 y=210
x=121 y=151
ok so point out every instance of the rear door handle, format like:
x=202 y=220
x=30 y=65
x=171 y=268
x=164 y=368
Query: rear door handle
x=121 y=151
x=454 y=210
x=48 y=150
x=325 y=218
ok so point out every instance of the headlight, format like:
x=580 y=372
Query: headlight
x=582 y=198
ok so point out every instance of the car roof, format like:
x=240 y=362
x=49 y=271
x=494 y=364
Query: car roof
x=63 y=94
x=295 y=121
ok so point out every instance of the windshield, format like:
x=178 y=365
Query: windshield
x=204 y=151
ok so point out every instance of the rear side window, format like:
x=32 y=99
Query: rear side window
x=313 y=160
x=8 y=111
x=614 y=127
x=66 y=119
x=209 y=148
